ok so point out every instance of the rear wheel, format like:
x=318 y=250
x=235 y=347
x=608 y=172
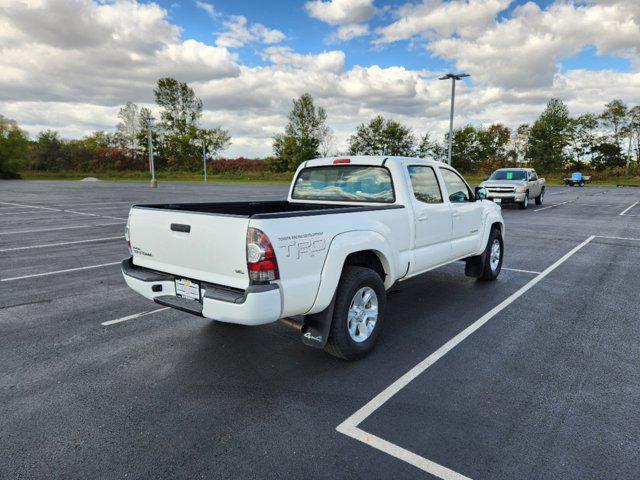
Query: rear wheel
x=540 y=198
x=358 y=313
x=494 y=254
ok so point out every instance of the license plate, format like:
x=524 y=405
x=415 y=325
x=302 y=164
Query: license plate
x=187 y=289
x=497 y=200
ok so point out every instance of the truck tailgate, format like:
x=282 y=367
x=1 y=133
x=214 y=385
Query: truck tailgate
x=209 y=248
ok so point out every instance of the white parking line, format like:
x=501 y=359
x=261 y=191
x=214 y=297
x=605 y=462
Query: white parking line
x=628 y=208
x=61 y=228
x=60 y=210
x=59 y=271
x=521 y=271
x=135 y=315
x=350 y=426
x=618 y=238
x=19 y=213
x=30 y=206
x=75 y=242
x=552 y=206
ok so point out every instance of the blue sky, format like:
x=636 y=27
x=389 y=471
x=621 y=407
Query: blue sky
x=247 y=60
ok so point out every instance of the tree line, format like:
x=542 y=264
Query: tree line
x=177 y=140
x=556 y=142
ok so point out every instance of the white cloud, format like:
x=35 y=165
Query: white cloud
x=349 y=15
x=240 y=33
x=438 y=18
x=207 y=7
x=332 y=61
x=524 y=50
x=105 y=53
x=341 y=12
x=350 y=30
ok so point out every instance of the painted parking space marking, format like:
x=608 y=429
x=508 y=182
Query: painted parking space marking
x=60 y=244
x=62 y=210
x=553 y=206
x=521 y=271
x=56 y=272
x=134 y=316
x=350 y=428
x=624 y=212
x=38 y=230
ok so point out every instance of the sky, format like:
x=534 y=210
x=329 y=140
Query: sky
x=69 y=65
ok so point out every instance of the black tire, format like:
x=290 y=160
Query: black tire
x=525 y=203
x=489 y=274
x=340 y=343
x=540 y=198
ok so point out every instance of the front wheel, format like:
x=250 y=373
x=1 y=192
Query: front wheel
x=358 y=314
x=540 y=198
x=525 y=203
x=493 y=254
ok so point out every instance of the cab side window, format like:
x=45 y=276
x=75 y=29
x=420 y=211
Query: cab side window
x=533 y=176
x=456 y=186
x=425 y=184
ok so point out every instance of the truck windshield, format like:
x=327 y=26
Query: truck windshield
x=347 y=183
x=509 y=175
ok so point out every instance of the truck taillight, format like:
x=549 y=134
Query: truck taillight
x=127 y=235
x=261 y=259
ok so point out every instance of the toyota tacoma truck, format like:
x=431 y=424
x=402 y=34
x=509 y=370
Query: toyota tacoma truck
x=323 y=259
x=515 y=185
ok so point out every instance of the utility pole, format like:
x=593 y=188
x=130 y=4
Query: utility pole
x=153 y=183
x=453 y=77
x=204 y=158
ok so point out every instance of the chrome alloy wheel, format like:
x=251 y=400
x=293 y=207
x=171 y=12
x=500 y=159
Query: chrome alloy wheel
x=363 y=314
x=494 y=257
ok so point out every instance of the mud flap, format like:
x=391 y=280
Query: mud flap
x=315 y=331
x=474 y=265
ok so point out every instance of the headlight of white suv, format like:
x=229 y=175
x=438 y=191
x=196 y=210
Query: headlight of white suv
x=521 y=189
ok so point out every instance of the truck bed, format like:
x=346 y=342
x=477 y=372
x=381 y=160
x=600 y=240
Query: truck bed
x=266 y=209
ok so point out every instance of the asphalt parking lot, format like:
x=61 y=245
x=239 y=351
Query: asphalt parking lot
x=533 y=376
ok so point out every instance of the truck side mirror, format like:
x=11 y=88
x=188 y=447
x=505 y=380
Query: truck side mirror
x=481 y=193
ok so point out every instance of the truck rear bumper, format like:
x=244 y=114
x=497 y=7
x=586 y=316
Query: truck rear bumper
x=257 y=305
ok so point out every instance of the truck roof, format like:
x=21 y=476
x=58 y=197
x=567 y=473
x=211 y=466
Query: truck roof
x=524 y=169
x=369 y=160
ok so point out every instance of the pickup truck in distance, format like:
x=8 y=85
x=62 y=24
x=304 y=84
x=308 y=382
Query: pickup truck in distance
x=349 y=229
x=515 y=185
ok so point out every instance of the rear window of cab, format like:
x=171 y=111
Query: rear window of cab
x=344 y=183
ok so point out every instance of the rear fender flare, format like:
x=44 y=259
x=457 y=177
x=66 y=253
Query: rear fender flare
x=341 y=247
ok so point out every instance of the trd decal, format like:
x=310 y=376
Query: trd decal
x=298 y=246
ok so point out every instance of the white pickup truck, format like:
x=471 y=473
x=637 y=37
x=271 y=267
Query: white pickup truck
x=349 y=229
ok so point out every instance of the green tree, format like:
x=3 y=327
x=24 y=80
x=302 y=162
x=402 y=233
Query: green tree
x=129 y=126
x=181 y=110
x=431 y=149
x=582 y=139
x=607 y=154
x=382 y=137
x=13 y=148
x=548 y=138
x=215 y=141
x=614 y=117
x=49 y=151
x=465 y=149
x=634 y=131
x=302 y=137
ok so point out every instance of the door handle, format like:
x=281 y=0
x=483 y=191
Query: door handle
x=423 y=218
x=455 y=215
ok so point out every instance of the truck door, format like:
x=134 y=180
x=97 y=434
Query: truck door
x=432 y=217
x=535 y=188
x=466 y=213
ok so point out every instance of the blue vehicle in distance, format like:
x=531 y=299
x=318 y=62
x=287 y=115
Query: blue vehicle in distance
x=577 y=179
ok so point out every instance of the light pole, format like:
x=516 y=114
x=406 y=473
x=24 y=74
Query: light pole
x=453 y=77
x=153 y=183
x=204 y=158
